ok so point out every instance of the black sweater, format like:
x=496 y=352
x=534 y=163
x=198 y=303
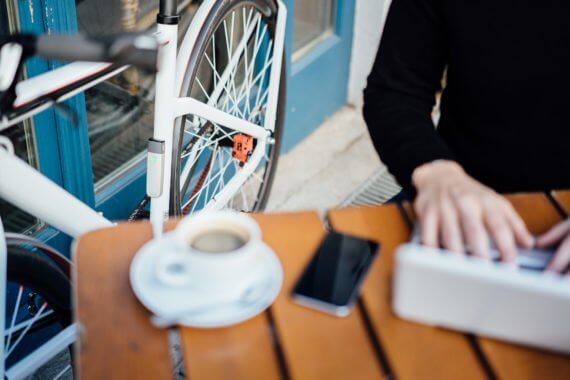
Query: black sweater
x=505 y=110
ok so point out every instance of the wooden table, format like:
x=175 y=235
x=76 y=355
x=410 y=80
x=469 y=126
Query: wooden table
x=289 y=341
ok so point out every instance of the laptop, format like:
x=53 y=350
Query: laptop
x=524 y=306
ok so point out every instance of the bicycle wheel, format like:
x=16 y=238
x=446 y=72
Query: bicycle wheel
x=38 y=307
x=207 y=157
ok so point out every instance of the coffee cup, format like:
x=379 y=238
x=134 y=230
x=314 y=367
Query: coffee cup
x=214 y=252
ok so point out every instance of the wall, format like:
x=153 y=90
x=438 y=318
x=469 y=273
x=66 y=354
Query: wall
x=368 y=23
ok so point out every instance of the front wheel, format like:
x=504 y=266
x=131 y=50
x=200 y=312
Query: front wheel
x=38 y=307
x=229 y=68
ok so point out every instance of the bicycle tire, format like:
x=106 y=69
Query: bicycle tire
x=217 y=14
x=40 y=275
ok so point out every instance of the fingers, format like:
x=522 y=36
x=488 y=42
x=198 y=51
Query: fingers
x=474 y=232
x=439 y=219
x=450 y=227
x=554 y=235
x=502 y=235
x=429 y=226
x=561 y=259
x=521 y=232
x=456 y=219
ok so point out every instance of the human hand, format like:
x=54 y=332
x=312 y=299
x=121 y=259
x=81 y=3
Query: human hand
x=557 y=235
x=455 y=211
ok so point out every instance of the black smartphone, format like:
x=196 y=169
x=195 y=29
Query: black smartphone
x=332 y=280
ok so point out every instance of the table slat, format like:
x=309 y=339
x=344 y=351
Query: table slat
x=315 y=345
x=414 y=351
x=117 y=340
x=244 y=351
x=563 y=199
x=514 y=361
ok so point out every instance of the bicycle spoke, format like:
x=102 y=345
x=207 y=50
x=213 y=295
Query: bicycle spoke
x=14 y=316
x=20 y=326
x=256 y=48
x=244 y=88
x=30 y=324
x=227 y=91
x=245 y=37
x=228 y=46
x=231 y=49
x=250 y=71
x=63 y=372
x=217 y=76
x=219 y=184
x=212 y=165
x=208 y=141
x=257 y=99
x=203 y=89
x=214 y=58
x=205 y=185
x=245 y=66
x=248 y=83
x=256 y=176
x=265 y=95
x=245 y=204
x=232 y=33
x=254 y=81
x=198 y=151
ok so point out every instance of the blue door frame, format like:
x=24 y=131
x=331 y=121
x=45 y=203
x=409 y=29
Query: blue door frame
x=316 y=88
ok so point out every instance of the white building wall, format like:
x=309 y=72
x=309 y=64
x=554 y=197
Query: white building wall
x=369 y=21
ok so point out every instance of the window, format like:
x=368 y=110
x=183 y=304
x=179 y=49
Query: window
x=313 y=22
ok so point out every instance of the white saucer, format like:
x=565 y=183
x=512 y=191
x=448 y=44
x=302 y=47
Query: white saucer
x=163 y=300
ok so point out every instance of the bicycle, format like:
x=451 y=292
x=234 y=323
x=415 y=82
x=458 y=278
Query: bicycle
x=214 y=144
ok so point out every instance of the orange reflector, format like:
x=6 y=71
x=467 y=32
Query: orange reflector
x=243 y=146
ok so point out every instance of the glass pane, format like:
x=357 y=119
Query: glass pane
x=22 y=136
x=98 y=17
x=120 y=110
x=313 y=21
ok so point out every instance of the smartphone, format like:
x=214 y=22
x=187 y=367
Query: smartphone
x=332 y=280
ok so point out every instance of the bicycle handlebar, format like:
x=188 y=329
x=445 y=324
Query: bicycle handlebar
x=125 y=49
x=135 y=49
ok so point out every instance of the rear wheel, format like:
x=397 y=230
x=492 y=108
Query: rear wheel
x=236 y=42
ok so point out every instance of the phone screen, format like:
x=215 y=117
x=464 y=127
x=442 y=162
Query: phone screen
x=335 y=273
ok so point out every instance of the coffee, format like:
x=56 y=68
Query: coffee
x=218 y=241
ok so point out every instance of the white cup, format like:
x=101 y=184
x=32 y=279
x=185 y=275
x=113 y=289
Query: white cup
x=215 y=253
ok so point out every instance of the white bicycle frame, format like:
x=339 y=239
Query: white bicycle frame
x=26 y=188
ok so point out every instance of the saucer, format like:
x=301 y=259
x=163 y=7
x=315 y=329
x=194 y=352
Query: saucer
x=163 y=300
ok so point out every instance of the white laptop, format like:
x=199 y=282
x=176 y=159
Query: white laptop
x=525 y=305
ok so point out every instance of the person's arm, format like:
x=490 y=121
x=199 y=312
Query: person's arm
x=454 y=210
x=400 y=94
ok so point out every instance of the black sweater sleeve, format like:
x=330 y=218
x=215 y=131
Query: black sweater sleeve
x=400 y=93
